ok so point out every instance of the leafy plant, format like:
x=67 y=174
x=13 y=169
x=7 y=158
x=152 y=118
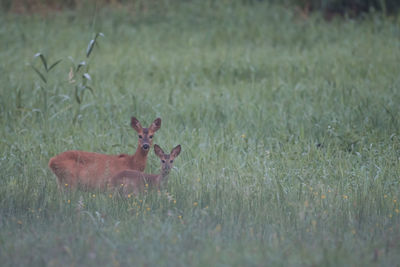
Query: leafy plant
x=80 y=71
x=43 y=75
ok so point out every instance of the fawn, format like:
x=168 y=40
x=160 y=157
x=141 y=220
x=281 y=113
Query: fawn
x=93 y=170
x=130 y=181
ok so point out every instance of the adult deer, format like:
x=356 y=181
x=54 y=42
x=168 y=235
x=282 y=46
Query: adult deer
x=130 y=181
x=94 y=170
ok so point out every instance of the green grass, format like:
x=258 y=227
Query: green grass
x=289 y=131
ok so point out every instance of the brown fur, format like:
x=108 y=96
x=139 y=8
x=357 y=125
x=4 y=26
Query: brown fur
x=94 y=170
x=130 y=181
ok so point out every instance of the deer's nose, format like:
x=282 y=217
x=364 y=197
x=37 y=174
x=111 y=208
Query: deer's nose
x=146 y=146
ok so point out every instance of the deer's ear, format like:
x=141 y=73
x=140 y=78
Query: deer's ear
x=136 y=124
x=159 y=152
x=155 y=125
x=176 y=151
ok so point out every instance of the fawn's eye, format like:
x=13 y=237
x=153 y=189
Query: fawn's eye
x=171 y=161
x=151 y=137
x=140 y=136
x=163 y=161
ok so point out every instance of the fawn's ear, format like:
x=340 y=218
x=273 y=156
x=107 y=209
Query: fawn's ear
x=159 y=152
x=155 y=125
x=136 y=124
x=176 y=151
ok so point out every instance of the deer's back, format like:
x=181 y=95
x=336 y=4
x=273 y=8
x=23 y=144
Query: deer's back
x=134 y=181
x=88 y=168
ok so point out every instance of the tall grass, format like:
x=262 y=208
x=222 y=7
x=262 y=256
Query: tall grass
x=289 y=132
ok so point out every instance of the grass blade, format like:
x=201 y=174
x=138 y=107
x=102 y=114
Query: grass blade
x=92 y=43
x=40 y=74
x=54 y=64
x=83 y=63
x=43 y=60
x=90 y=89
x=77 y=95
x=87 y=76
x=90 y=47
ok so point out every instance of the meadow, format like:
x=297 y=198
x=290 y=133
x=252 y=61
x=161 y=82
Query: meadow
x=289 y=128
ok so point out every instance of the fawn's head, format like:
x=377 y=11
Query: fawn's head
x=145 y=134
x=167 y=160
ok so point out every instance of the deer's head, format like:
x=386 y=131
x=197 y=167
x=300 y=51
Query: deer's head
x=145 y=134
x=167 y=160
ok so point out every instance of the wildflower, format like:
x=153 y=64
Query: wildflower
x=394 y=201
x=180 y=217
x=397 y=210
x=69 y=201
x=148 y=208
x=129 y=195
x=345 y=197
x=390 y=215
x=93 y=195
x=323 y=196
x=174 y=201
x=110 y=195
x=195 y=204
x=147 y=185
x=243 y=136
x=329 y=191
x=66 y=185
x=384 y=196
x=19 y=222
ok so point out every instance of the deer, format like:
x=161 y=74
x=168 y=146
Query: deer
x=89 y=170
x=131 y=181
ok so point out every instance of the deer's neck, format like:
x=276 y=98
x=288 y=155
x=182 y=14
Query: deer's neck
x=157 y=180
x=139 y=159
x=164 y=176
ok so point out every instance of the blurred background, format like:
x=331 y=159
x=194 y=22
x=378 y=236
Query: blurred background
x=328 y=7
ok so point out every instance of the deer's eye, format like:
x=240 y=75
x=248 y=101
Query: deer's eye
x=171 y=161
x=151 y=137
x=140 y=136
x=163 y=161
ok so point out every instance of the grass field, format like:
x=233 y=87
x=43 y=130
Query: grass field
x=289 y=131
